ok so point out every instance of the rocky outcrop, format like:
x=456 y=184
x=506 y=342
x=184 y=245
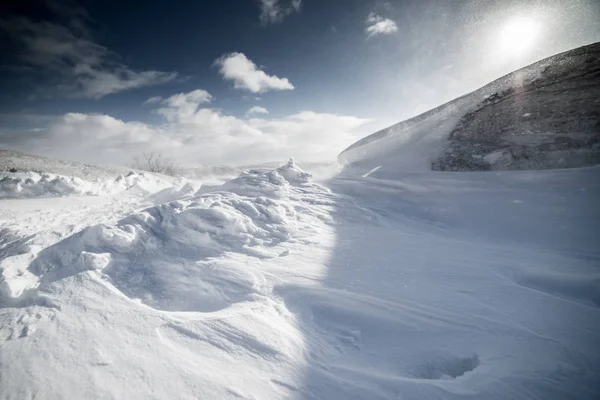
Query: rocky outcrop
x=545 y=115
x=552 y=121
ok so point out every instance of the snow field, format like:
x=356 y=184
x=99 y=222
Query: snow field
x=417 y=286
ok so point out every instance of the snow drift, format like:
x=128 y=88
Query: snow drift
x=542 y=116
x=187 y=283
x=33 y=184
x=253 y=214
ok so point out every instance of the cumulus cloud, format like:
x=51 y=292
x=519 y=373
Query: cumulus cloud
x=377 y=25
x=193 y=133
x=73 y=64
x=275 y=11
x=246 y=75
x=256 y=110
x=183 y=105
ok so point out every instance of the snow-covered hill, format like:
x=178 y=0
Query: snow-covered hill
x=545 y=115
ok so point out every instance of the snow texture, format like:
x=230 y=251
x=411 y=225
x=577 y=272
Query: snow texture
x=429 y=285
x=33 y=184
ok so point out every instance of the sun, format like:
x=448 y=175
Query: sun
x=518 y=35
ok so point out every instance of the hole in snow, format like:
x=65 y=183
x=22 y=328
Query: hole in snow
x=446 y=368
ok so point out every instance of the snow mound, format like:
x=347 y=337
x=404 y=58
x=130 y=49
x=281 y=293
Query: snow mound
x=219 y=174
x=184 y=255
x=181 y=188
x=33 y=184
x=133 y=181
x=292 y=173
x=273 y=183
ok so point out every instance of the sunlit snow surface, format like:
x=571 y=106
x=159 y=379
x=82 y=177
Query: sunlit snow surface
x=414 y=285
x=33 y=184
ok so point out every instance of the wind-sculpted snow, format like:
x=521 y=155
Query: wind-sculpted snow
x=433 y=286
x=174 y=256
x=33 y=184
x=274 y=183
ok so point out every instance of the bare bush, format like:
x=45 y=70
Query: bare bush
x=156 y=162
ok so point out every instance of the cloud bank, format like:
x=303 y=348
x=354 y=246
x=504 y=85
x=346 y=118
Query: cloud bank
x=192 y=133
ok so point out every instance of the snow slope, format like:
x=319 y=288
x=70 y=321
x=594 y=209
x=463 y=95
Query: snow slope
x=542 y=116
x=461 y=285
x=426 y=286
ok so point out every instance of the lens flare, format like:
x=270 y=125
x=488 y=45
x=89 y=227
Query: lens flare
x=518 y=35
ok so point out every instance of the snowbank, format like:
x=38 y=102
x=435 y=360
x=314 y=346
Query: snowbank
x=254 y=215
x=270 y=286
x=33 y=184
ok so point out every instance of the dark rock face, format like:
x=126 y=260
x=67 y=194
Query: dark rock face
x=552 y=121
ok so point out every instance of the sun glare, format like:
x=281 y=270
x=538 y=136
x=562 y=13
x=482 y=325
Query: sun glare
x=518 y=35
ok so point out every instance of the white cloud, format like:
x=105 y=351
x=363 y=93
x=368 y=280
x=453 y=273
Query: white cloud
x=196 y=97
x=377 y=25
x=275 y=11
x=153 y=100
x=74 y=64
x=192 y=134
x=183 y=105
x=246 y=75
x=256 y=110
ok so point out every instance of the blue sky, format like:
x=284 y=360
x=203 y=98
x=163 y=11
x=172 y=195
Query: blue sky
x=317 y=75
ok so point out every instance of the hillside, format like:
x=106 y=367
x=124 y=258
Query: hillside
x=545 y=115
